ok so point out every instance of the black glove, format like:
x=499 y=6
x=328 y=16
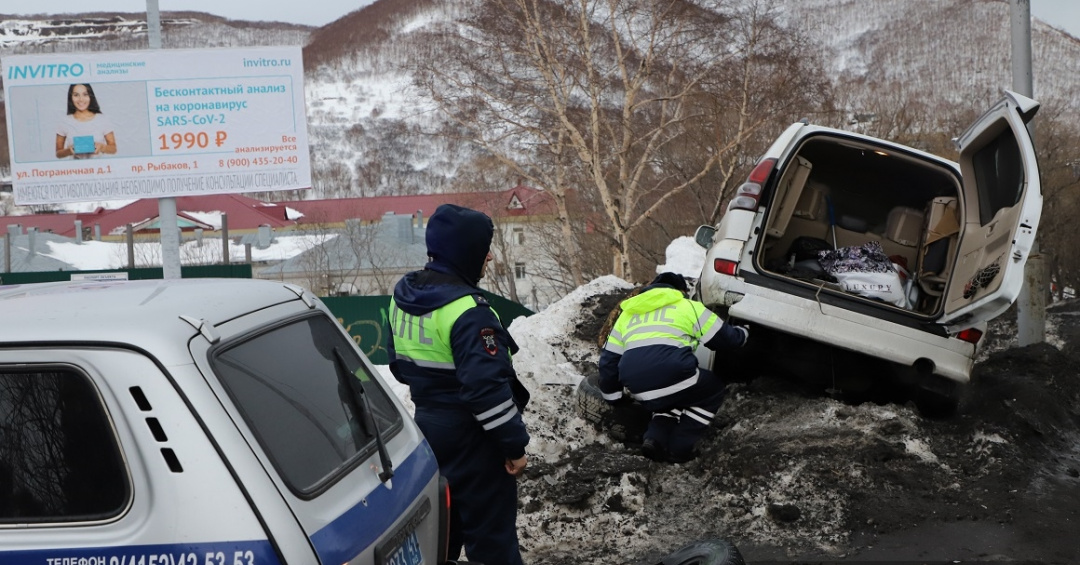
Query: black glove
x=624 y=400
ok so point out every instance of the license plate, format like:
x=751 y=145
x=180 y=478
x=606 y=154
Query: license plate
x=408 y=553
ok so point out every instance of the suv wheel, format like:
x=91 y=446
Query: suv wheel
x=625 y=423
x=708 y=552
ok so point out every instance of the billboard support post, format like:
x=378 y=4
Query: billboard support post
x=168 y=227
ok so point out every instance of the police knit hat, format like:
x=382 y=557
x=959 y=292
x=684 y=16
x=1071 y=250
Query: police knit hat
x=673 y=280
x=458 y=240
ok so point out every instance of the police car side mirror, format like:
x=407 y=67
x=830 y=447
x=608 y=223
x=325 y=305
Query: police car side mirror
x=704 y=236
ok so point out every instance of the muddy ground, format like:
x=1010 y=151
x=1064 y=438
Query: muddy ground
x=792 y=476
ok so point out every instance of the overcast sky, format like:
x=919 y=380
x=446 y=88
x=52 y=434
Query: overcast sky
x=1064 y=14
x=310 y=12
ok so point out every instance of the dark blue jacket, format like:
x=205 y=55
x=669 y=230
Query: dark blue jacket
x=481 y=377
x=651 y=347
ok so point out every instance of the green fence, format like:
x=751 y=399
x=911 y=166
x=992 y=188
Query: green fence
x=237 y=271
x=364 y=317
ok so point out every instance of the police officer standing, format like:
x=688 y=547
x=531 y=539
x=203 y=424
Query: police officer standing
x=651 y=352
x=449 y=346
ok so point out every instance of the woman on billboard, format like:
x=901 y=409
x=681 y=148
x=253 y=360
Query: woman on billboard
x=84 y=132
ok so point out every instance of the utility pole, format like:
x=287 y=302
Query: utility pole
x=1031 y=305
x=168 y=227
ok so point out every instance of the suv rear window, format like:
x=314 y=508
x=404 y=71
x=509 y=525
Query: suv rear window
x=59 y=457
x=999 y=172
x=295 y=394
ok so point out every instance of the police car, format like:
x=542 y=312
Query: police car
x=202 y=422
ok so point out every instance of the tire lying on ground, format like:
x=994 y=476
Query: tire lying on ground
x=707 y=552
x=625 y=422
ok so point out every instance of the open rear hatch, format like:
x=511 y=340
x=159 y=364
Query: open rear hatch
x=897 y=227
x=1003 y=208
x=868 y=221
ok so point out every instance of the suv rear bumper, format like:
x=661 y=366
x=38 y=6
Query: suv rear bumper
x=952 y=358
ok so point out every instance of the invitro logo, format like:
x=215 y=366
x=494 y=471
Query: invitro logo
x=55 y=70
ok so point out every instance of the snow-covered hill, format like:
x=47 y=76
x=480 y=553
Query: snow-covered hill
x=934 y=57
x=115 y=31
x=956 y=51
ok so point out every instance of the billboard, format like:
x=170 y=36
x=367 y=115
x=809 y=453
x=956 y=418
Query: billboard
x=122 y=125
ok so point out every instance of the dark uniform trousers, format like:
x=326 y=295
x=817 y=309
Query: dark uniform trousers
x=475 y=468
x=675 y=424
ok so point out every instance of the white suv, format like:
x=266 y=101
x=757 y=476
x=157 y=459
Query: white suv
x=200 y=421
x=799 y=255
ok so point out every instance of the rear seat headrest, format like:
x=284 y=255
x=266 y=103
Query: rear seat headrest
x=905 y=225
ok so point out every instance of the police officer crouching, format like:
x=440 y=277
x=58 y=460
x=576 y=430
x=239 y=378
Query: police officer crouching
x=449 y=346
x=650 y=352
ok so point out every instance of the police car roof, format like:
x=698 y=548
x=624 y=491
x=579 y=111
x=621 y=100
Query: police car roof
x=124 y=311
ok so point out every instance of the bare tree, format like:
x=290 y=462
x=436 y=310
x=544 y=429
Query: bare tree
x=374 y=259
x=7 y=201
x=545 y=247
x=206 y=252
x=774 y=78
x=318 y=260
x=147 y=251
x=1058 y=147
x=500 y=277
x=356 y=258
x=600 y=96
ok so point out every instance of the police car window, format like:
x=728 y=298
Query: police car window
x=59 y=457
x=286 y=384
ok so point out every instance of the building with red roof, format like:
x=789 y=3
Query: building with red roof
x=521 y=203
x=246 y=215
x=522 y=214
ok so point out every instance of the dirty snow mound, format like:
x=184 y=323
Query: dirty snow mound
x=549 y=365
x=788 y=472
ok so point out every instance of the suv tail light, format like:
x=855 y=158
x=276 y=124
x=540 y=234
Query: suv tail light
x=970 y=335
x=725 y=267
x=746 y=198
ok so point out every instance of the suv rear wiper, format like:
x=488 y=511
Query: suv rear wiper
x=354 y=389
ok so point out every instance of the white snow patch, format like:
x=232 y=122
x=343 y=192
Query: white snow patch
x=920 y=449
